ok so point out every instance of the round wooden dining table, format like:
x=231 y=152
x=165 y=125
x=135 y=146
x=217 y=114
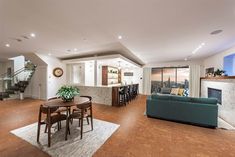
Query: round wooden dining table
x=60 y=103
x=80 y=102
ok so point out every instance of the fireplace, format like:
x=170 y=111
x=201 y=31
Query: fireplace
x=215 y=93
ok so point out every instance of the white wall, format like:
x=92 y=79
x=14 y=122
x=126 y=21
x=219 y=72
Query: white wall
x=216 y=61
x=99 y=75
x=89 y=73
x=85 y=73
x=37 y=87
x=136 y=78
x=19 y=63
x=53 y=83
x=5 y=65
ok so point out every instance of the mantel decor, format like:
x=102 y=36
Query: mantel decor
x=218 y=78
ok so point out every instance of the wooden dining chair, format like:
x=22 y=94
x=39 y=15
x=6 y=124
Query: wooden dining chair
x=76 y=109
x=58 y=111
x=49 y=120
x=85 y=111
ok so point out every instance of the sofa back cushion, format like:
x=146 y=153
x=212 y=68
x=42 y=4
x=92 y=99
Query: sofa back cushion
x=161 y=96
x=204 y=100
x=184 y=99
x=165 y=90
x=181 y=98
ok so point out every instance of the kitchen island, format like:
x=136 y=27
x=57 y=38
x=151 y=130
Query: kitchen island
x=107 y=95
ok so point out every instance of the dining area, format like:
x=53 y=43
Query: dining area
x=65 y=125
x=55 y=111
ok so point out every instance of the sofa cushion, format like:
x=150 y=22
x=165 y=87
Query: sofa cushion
x=204 y=100
x=174 y=91
x=181 y=98
x=161 y=96
x=165 y=90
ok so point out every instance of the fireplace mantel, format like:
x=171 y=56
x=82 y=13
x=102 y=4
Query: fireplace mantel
x=227 y=87
x=218 y=78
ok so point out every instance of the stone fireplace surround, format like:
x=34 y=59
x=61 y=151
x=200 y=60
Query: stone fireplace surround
x=227 y=85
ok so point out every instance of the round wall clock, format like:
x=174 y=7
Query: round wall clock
x=58 y=72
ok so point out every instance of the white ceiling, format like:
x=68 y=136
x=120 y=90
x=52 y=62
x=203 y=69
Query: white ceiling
x=117 y=62
x=152 y=30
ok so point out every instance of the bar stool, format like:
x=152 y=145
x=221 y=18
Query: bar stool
x=130 y=92
x=123 y=95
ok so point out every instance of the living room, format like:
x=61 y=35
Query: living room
x=117 y=78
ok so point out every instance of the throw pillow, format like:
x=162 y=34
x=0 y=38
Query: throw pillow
x=165 y=90
x=181 y=92
x=174 y=91
x=186 y=92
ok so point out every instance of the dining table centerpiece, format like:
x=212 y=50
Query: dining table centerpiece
x=67 y=93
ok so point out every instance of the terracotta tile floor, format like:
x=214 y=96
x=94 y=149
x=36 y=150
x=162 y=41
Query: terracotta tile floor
x=137 y=135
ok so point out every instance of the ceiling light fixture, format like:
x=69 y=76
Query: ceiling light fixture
x=120 y=37
x=7 y=45
x=33 y=35
x=216 y=32
x=75 y=49
x=186 y=59
x=198 y=48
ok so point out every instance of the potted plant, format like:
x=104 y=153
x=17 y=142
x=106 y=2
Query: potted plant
x=67 y=93
x=219 y=72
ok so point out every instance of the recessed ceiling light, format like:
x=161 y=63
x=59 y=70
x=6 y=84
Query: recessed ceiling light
x=119 y=37
x=216 y=32
x=198 y=48
x=75 y=49
x=7 y=45
x=186 y=59
x=33 y=35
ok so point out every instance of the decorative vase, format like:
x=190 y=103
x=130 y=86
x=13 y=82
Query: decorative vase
x=21 y=96
x=67 y=100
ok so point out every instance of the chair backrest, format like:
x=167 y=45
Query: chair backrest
x=86 y=105
x=85 y=96
x=125 y=89
x=45 y=109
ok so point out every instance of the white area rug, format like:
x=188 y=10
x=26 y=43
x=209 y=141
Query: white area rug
x=74 y=146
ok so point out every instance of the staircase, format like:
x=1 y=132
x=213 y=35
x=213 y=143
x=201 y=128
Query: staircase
x=17 y=82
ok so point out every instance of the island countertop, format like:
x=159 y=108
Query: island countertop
x=102 y=94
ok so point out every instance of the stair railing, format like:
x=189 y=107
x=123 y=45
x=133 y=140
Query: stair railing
x=29 y=71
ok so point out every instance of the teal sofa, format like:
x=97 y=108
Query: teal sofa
x=199 y=111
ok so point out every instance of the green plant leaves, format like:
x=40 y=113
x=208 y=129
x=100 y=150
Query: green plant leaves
x=67 y=92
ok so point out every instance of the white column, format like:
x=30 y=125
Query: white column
x=95 y=72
